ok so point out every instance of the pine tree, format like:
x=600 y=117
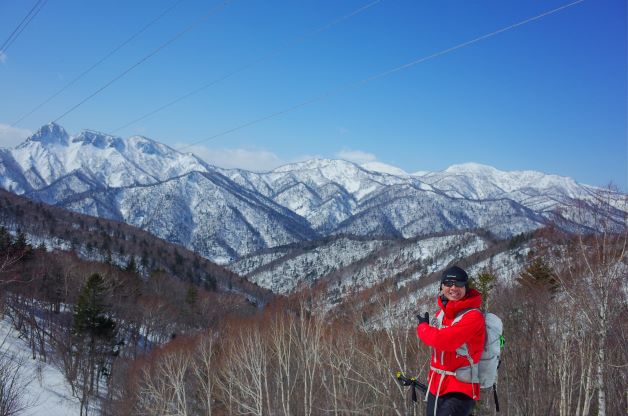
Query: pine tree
x=94 y=332
x=484 y=285
x=90 y=312
x=210 y=284
x=191 y=296
x=20 y=242
x=539 y=275
x=5 y=239
x=144 y=260
x=22 y=247
x=131 y=267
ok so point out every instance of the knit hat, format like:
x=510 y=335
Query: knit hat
x=455 y=273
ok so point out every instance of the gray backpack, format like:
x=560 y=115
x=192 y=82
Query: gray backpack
x=485 y=371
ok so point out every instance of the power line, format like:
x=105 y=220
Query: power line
x=103 y=59
x=20 y=27
x=270 y=55
x=362 y=82
x=145 y=58
x=273 y=53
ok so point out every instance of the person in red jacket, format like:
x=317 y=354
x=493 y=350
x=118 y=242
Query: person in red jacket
x=446 y=395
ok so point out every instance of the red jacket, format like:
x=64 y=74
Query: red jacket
x=470 y=330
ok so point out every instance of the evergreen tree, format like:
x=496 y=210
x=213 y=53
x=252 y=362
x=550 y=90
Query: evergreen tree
x=210 y=284
x=192 y=295
x=94 y=331
x=144 y=260
x=178 y=261
x=5 y=239
x=90 y=316
x=22 y=247
x=484 y=283
x=539 y=275
x=517 y=240
x=20 y=241
x=131 y=267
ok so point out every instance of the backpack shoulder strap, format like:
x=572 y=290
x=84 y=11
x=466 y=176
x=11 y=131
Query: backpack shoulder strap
x=438 y=319
x=463 y=313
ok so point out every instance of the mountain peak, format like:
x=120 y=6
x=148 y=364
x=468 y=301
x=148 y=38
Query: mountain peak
x=316 y=163
x=384 y=168
x=98 y=139
x=51 y=133
x=150 y=146
x=471 y=167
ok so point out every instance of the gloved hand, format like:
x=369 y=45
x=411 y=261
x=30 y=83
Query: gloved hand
x=424 y=319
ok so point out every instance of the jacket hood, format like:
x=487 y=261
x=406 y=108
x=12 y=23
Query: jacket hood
x=472 y=300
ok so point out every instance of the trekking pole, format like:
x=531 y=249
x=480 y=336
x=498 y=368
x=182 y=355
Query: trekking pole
x=412 y=382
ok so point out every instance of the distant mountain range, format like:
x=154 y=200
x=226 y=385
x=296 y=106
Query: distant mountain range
x=224 y=214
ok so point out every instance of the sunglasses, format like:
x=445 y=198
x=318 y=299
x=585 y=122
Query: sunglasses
x=450 y=283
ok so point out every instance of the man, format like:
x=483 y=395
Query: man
x=448 y=396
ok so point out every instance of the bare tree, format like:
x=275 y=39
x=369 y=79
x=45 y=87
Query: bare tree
x=595 y=278
x=244 y=371
x=163 y=388
x=13 y=384
x=282 y=341
x=204 y=369
x=309 y=336
x=391 y=348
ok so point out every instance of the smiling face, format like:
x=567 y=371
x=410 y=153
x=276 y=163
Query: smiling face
x=453 y=292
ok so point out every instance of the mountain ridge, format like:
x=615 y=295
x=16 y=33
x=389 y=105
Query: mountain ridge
x=227 y=213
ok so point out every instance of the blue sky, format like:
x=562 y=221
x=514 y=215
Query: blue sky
x=549 y=95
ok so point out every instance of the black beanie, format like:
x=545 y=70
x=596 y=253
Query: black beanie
x=454 y=273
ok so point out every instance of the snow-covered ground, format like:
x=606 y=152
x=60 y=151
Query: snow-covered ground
x=46 y=393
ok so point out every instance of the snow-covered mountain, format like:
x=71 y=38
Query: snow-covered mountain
x=51 y=154
x=224 y=214
x=173 y=195
x=338 y=197
x=351 y=263
x=204 y=212
x=343 y=266
x=325 y=192
x=475 y=181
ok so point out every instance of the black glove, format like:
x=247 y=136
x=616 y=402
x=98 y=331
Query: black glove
x=424 y=319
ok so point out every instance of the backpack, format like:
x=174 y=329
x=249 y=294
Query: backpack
x=484 y=372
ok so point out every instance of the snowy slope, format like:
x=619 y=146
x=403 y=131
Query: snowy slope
x=204 y=212
x=325 y=192
x=284 y=274
x=404 y=261
x=348 y=264
x=46 y=392
x=476 y=181
x=405 y=211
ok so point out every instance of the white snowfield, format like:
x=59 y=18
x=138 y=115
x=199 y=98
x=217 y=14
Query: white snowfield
x=46 y=393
